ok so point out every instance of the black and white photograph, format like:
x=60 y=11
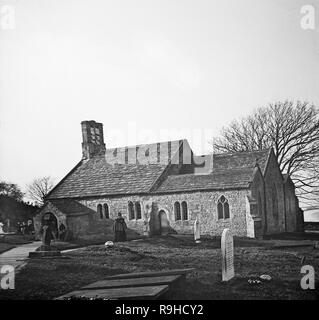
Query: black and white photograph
x=163 y=150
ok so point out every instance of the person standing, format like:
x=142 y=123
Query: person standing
x=119 y=228
x=48 y=234
x=62 y=231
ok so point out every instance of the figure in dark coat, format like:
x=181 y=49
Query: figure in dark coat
x=119 y=228
x=48 y=234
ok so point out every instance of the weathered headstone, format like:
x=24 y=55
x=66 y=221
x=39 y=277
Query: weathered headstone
x=196 y=231
x=227 y=247
x=147 y=218
x=46 y=250
x=1 y=227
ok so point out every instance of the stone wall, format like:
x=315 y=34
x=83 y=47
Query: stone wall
x=200 y=204
x=274 y=181
x=291 y=208
x=257 y=204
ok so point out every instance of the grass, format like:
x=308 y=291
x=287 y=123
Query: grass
x=50 y=278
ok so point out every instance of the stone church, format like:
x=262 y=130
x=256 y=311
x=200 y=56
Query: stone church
x=164 y=187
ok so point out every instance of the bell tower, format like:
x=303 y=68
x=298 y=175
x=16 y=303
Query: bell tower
x=92 y=139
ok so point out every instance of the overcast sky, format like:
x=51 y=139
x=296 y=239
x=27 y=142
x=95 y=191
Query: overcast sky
x=154 y=65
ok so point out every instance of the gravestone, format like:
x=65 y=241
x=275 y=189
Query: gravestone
x=46 y=250
x=1 y=227
x=227 y=247
x=147 y=218
x=197 y=231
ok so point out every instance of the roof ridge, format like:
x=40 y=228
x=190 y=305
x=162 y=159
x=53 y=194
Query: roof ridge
x=241 y=152
x=146 y=144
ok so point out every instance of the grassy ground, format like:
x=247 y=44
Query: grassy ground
x=49 y=278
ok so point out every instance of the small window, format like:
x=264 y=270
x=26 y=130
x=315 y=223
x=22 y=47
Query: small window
x=99 y=211
x=106 y=211
x=131 y=212
x=184 y=210
x=138 y=210
x=223 y=208
x=177 y=210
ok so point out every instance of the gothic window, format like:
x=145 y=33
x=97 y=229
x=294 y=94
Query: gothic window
x=131 y=212
x=184 y=210
x=99 y=211
x=177 y=210
x=223 y=208
x=138 y=210
x=106 y=211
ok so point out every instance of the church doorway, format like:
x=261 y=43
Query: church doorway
x=50 y=219
x=163 y=222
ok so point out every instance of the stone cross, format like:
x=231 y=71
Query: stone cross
x=196 y=231
x=227 y=246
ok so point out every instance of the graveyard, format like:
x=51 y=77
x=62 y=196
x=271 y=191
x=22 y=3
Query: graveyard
x=278 y=259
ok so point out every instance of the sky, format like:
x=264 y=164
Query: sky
x=149 y=70
x=311 y=215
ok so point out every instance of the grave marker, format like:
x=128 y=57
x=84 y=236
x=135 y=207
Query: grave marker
x=227 y=247
x=196 y=231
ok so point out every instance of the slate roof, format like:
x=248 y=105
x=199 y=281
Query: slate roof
x=100 y=175
x=242 y=160
x=70 y=206
x=217 y=180
x=97 y=177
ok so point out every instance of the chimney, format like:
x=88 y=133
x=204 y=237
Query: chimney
x=93 y=140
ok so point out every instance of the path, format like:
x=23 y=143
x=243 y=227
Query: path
x=16 y=256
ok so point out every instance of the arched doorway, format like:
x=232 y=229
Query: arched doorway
x=50 y=218
x=163 y=222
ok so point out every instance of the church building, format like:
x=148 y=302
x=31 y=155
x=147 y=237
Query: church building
x=164 y=187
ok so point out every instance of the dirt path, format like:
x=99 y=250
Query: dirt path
x=16 y=256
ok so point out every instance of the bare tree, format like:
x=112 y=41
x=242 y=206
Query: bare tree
x=39 y=188
x=292 y=129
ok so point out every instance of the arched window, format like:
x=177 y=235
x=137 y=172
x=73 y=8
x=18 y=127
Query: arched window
x=131 y=212
x=184 y=210
x=99 y=211
x=177 y=210
x=138 y=210
x=223 y=208
x=106 y=211
x=274 y=202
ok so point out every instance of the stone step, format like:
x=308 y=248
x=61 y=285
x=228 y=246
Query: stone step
x=133 y=293
x=135 y=282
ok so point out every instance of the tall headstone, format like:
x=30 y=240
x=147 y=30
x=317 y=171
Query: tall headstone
x=227 y=247
x=1 y=227
x=196 y=231
x=147 y=218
